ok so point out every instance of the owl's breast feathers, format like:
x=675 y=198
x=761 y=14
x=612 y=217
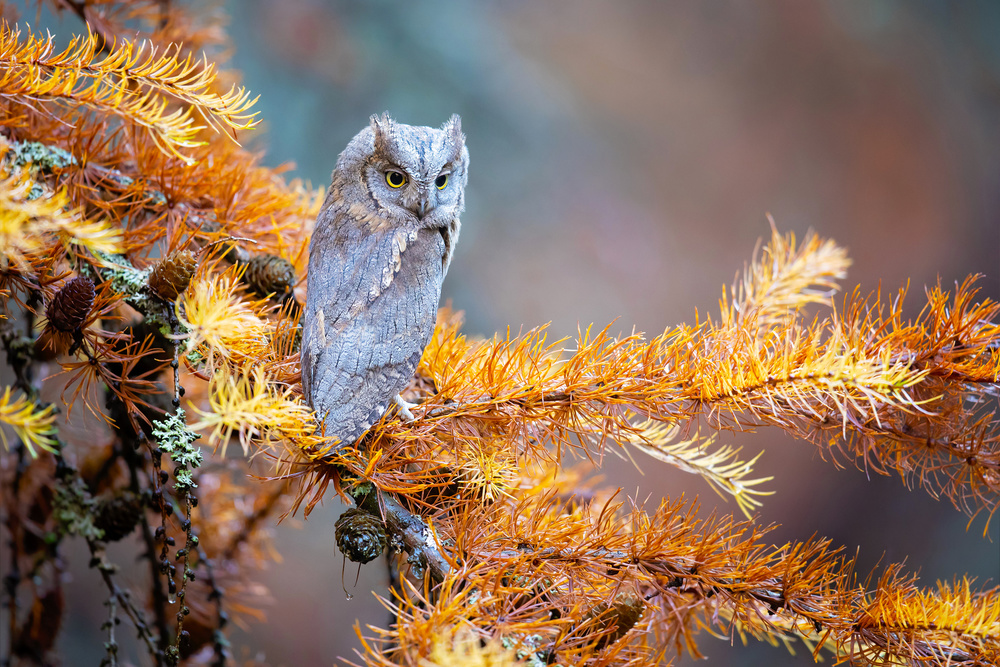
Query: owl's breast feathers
x=373 y=293
x=380 y=242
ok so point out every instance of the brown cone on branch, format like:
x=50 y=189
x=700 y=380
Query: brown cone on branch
x=618 y=616
x=269 y=274
x=172 y=274
x=360 y=536
x=70 y=306
x=118 y=516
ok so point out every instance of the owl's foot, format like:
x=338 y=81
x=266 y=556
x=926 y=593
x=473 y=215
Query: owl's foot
x=404 y=408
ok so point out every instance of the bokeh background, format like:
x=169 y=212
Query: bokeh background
x=623 y=159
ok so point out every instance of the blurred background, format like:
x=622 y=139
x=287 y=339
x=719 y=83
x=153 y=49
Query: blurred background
x=623 y=159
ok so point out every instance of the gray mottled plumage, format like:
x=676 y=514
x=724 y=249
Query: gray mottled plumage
x=377 y=258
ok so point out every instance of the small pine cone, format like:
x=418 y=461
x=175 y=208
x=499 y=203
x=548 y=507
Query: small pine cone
x=619 y=616
x=360 y=535
x=71 y=305
x=269 y=274
x=171 y=275
x=117 y=517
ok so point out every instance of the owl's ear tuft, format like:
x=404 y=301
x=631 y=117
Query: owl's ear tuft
x=454 y=129
x=382 y=127
x=453 y=126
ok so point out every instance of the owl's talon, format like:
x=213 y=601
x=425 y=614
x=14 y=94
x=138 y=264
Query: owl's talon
x=404 y=409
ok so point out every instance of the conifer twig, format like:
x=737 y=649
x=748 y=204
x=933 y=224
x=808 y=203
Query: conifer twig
x=76 y=76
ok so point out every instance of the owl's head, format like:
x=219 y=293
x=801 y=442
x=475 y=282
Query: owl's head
x=413 y=174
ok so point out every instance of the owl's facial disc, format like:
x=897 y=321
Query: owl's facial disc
x=414 y=194
x=417 y=171
x=420 y=194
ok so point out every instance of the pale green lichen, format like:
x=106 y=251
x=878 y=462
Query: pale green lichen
x=361 y=490
x=38 y=155
x=124 y=277
x=39 y=158
x=195 y=358
x=44 y=158
x=157 y=197
x=72 y=508
x=176 y=439
x=527 y=649
x=35 y=192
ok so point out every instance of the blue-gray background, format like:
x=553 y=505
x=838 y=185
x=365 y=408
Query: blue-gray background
x=623 y=158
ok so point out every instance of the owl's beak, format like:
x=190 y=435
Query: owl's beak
x=424 y=206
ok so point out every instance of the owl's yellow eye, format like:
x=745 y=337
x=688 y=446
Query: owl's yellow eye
x=441 y=181
x=395 y=179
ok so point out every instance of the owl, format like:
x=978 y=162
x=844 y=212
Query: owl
x=378 y=254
